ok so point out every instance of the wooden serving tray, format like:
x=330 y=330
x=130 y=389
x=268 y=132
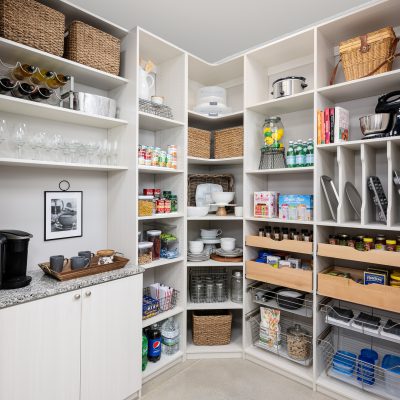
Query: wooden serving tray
x=67 y=273
x=215 y=257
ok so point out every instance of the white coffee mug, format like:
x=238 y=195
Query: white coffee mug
x=239 y=211
x=196 y=246
x=228 y=244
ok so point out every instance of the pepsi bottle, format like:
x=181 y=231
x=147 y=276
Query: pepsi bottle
x=154 y=339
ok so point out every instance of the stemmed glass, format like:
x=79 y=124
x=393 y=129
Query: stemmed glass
x=74 y=147
x=92 y=149
x=55 y=144
x=4 y=134
x=103 y=150
x=37 y=143
x=66 y=149
x=19 y=137
x=114 y=152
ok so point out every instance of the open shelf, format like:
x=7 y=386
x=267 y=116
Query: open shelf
x=213 y=217
x=19 y=162
x=144 y=169
x=293 y=246
x=279 y=221
x=29 y=108
x=288 y=277
x=153 y=122
x=162 y=216
x=348 y=253
x=215 y=161
x=161 y=317
x=161 y=262
x=13 y=52
x=212 y=263
x=165 y=361
x=279 y=171
x=226 y=305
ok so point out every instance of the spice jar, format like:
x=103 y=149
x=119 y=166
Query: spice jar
x=154 y=237
x=343 y=238
x=285 y=233
x=268 y=232
x=277 y=233
x=398 y=244
x=352 y=242
x=261 y=232
x=368 y=243
x=292 y=233
x=145 y=206
x=391 y=245
x=333 y=240
x=359 y=243
x=307 y=236
x=380 y=242
x=145 y=253
x=296 y=236
x=298 y=343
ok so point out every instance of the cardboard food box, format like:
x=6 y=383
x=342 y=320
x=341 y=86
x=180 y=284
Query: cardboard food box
x=266 y=204
x=296 y=207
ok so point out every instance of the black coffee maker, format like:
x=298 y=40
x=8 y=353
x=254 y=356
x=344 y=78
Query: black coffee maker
x=13 y=259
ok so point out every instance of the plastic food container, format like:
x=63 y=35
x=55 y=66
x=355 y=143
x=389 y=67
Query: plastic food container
x=169 y=247
x=145 y=206
x=145 y=253
x=154 y=237
x=298 y=343
x=391 y=365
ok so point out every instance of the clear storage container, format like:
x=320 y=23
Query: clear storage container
x=145 y=206
x=169 y=247
x=154 y=236
x=145 y=253
x=298 y=343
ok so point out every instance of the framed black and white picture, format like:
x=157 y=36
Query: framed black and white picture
x=62 y=215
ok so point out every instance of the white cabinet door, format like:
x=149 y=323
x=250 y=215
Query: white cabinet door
x=40 y=349
x=111 y=339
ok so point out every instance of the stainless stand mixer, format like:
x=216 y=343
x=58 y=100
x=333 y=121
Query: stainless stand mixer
x=386 y=121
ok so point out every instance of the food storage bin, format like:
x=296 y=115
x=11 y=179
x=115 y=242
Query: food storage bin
x=145 y=253
x=154 y=236
x=298 y=343
x=145 y=206
x=391 y=365
x=169 y=247
x=212 y=328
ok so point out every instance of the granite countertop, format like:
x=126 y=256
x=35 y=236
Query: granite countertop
x=45 y=286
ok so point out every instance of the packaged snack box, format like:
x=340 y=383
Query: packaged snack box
x=266 y=204
x=296 y=207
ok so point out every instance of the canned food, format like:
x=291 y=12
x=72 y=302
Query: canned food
x=157 y=193
x=160 y=206
x=148 y=192
x=174 y=203
x=167 y=206
x=172 y=149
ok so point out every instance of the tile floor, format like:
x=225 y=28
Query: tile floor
x=224 y=379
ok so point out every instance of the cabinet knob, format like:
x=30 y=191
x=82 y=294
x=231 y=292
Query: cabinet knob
x=77 y=296
x=88 y=293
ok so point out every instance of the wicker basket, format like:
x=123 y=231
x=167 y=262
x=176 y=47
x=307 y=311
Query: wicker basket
x=33 y=24
x=212 y=328
x=199 y=143
x=369 y=54
x=92 y=47
x=227 y=182
x=228 y=142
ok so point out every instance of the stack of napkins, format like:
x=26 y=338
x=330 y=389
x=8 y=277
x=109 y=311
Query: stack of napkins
x=163 y=294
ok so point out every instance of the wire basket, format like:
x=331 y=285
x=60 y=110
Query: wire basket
x=272 y=158
x=340 y=352
x=161 y=110
x=152 y=306
x=284 y=345
x=208 y=285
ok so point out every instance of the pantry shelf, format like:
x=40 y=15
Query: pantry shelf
x=215 y=218
x=165 y=361
x=390 y=258
x=279 y=221
x=218 y=161
x=29 y=108
x=294 y=246
x=284 y=105
x=358 y=225
x=212 y=263
x=161 y=262
x=226 y=305
x=299 y=170
x=162 y=216
x=153 y=122
x=12 y=52
x=18 y=162
x=160 y=317
x=202 y=121
x=143 y=169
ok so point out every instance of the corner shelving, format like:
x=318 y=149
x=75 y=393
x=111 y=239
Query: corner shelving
x=279 y=171
x=161 y=317
x=215 y=161
x=153 y=122
x=165 y=361
x=162 y=216
x=144 y=169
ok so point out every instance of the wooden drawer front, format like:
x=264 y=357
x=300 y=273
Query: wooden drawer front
x=348 y=253
x=293 y=246
x=378 y=296
x=288 y=277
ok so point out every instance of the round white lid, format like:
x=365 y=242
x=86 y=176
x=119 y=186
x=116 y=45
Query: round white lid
x=145 y=245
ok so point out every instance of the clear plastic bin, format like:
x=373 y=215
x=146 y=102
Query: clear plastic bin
x=145 y=253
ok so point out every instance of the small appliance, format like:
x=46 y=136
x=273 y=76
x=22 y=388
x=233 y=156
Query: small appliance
x=13 y=258
x=386 y=121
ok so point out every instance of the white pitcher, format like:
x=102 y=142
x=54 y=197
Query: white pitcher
x=146 y=82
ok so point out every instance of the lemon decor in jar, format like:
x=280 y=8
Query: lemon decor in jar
x=273 y=132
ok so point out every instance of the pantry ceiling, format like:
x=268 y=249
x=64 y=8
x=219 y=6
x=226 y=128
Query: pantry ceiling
x=216 y=29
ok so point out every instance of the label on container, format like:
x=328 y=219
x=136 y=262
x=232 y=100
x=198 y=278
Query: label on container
x=300 y=159
x=310 y=159
x=291 y=160
x=154 y=347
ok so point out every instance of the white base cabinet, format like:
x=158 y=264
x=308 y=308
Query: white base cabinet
x=80 y=345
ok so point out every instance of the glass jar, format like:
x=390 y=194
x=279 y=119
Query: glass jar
x=368 y=243
x=391 y=245
x=145 y=206
x=285 y=233
x=237 y=287
x=292 y=233
x=352 y=242
x=268 y=232
x=169 y=246
x=273 y=132
x=398 y=244
x=261 y=232
x=298 y=343
x=307 y=236
x=359 y=243
x=154 y=236
x=343 y=238
x=277 y=234
x=145 y=253
x=380 y=242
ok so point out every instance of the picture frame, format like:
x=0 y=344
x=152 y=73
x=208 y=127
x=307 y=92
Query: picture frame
x=63 y=214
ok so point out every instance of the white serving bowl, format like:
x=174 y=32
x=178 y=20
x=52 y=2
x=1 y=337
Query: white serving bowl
x=222 y=197
x=228 y=244
x=197 y=211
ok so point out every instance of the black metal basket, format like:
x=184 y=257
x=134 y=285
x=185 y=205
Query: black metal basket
x=272 y=158
x=160 y=110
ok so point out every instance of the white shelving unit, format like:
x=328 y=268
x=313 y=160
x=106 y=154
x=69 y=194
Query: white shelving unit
x=311 y=53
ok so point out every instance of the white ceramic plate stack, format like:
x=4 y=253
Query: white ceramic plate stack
x=237 y=252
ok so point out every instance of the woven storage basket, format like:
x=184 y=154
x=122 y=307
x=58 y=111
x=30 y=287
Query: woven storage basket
x=92 y=47
x=33 y=24
x=212 y=328
x=228 y=142
x=199 y=143
x=369 y=54
x=227 y=182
